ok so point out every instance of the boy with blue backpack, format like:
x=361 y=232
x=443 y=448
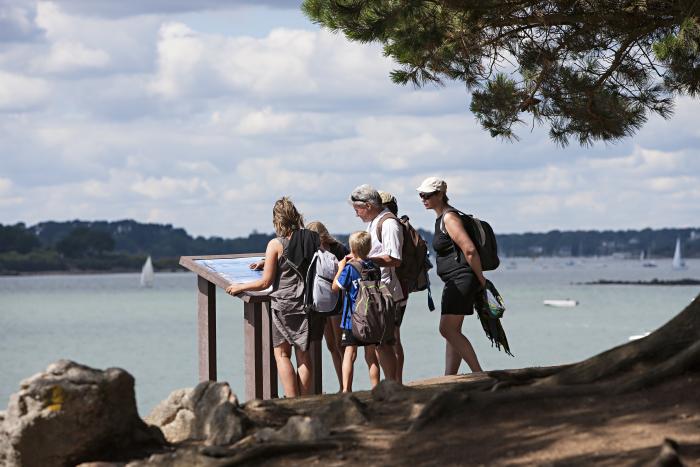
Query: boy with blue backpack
x=368 y=308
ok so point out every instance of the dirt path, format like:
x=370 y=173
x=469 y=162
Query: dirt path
x=600 y=430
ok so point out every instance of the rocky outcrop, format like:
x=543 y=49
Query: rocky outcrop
x=72 y=413
x=389 y=391
x=297 y=429
x=210 y=412
x=344 y=411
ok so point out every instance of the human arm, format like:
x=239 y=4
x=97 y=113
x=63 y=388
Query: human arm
x=272 y=253
x=392 y=240
x=386 y=261
x=335 y=286
x=455 y=229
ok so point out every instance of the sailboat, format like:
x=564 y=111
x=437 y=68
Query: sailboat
x=678 y=262
x=647 y=263
x=147 y=273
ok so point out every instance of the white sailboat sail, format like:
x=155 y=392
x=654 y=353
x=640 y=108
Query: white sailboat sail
x=678 y=262
x=147 y=274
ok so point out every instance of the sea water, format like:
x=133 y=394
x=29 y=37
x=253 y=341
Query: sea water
x=110 y=321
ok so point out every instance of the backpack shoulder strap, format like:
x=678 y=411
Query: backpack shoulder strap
x=442 y=219
x=386 y=216
x=480 y=228
x=357 y=265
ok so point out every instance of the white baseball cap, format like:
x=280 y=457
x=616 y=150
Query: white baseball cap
x=431 y=185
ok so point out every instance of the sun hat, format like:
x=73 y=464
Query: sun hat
x=431 y=185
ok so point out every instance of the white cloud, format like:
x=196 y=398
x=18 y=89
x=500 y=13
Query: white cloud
x=68 y=56
x=197 y=167
x=110 y=8
x=673 y=184
x=84 y=42
x=179 y=52
x=159 y=117
x=19 y=93
x=264 y=121
x=166 y=187
x=15 y=22
x=7 y=197
x=5 y=185
x=286 y=63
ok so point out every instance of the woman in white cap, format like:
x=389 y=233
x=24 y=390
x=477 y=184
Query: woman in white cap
x=459 y=267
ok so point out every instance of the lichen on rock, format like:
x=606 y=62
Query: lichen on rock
x=72 y=413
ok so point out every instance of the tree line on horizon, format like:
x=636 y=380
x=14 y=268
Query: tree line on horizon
x=124 y=245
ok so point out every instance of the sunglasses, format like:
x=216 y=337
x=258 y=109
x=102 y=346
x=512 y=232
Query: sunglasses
x=426 y=195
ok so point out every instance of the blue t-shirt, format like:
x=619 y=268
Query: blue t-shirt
x=349 y=280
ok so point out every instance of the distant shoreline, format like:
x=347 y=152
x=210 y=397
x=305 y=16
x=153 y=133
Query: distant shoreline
x=82 y=272
x=673 y=282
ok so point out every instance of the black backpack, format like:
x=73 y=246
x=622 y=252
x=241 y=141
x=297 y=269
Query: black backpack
x=481 y=233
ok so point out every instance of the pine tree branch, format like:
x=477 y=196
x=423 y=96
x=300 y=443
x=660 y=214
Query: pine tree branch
x=622 y=51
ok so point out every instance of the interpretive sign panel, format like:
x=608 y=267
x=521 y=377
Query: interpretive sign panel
x=235 y=270
x=224 y=270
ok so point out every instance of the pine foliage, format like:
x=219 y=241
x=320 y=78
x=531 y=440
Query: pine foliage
x=591 y=70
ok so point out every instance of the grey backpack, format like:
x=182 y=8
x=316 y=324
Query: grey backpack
x=373 y=317
x=319 y=282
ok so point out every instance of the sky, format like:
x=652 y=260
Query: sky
x=201 y=114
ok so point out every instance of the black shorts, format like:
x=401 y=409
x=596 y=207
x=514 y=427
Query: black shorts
x=317 y=323
x=459 y=293
x=400 y=310
x=347 y=338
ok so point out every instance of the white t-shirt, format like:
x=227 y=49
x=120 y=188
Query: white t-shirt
x=390 y=244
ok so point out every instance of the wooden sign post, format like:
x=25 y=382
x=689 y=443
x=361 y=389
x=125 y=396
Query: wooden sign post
x=260 y=367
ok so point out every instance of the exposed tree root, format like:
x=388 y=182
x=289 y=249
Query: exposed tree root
x=526 y=374
x=669 y=351
x=267 y=450
x=687 y=360
x=440 y=404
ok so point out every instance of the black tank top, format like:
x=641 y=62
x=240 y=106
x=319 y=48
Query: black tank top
x=448 y=264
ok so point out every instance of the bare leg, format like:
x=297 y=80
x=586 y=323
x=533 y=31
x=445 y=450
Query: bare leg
x=452 y=359
x=372 y=364
x=398 y=354
x=285 y=369
x=338 y=334
x=388 y=360
x=451 y=330
x=304 y=371
x=348 y=367
x=333 y=347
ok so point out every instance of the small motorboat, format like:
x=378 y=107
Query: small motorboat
x=561 y=303
x=638 y=336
